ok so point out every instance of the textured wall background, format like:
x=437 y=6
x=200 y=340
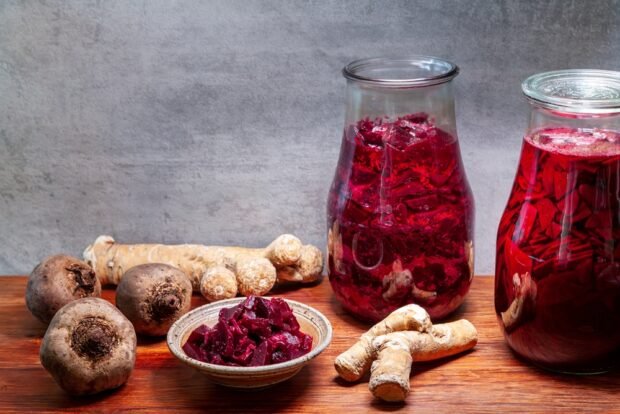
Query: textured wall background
x=219 y=121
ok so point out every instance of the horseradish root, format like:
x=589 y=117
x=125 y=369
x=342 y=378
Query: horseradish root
x=89 y=347
x=256 y=270
x=218 y=283
x=395 y=352
x=111 y=260
x=306 y=270
x=522 y=307
x=56 y=281
x=153 y=296
x=255 y=276
x=355 y=362
x=388 y=349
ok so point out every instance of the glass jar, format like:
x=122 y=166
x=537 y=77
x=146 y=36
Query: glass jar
x=557 y=286
x=400 y=212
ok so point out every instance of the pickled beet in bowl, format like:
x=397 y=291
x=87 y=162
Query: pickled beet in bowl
x=311 y=322
x=256 y=332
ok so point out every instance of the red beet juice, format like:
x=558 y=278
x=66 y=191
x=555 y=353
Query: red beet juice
x=400 y=219
x=558 y=251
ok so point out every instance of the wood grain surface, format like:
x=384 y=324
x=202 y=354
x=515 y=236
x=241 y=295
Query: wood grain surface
x=488 y=379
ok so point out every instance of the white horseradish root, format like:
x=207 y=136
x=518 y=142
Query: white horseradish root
x=355 y=362
x=395 y=352
x=209 y=268
x=390 y=347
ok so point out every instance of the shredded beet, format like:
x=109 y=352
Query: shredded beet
x=561 y=229
x=256 y=332
x=400 y=213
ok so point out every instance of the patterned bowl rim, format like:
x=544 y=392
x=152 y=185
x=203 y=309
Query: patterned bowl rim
x=177 y=332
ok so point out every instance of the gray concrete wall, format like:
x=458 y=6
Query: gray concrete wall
x=220 y=121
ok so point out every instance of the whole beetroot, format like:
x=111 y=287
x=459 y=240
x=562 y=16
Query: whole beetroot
x=56 y=281
x=153 y=296
x=89 y=347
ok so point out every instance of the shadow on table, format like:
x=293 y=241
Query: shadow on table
x=346 y=317
x=609 y=381
x=29 y=326
x=57 y=399
x=285 y=287
x=199 y=393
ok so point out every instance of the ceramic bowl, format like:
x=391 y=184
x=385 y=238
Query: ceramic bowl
x=311 y=321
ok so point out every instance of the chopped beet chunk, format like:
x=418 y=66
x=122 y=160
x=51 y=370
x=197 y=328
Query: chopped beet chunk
x=256 y=332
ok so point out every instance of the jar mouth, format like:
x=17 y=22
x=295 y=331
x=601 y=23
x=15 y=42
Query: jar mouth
x=579 y=91
x=401 y=72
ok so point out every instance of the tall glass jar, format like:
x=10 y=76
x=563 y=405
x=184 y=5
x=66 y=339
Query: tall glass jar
x=557 y=286
x=400 y=212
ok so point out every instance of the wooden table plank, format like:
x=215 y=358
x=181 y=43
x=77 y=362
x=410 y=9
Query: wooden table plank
x=489 y=379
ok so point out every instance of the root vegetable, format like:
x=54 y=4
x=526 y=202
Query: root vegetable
x=111 y=260
x=523 y=306
x=389 y=348
x=355 y=362
x=283 y=251
x=89 y=347
x=153 y=296
x=389 y=373
x=56 y=281
x=218 y=283
x=335 y=250
x=284 y=259
x=469 y=248
x=399 y=279
x=255 y=276
x=307 y=268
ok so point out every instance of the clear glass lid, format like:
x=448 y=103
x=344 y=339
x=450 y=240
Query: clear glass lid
x=585 y=91
x=406 y=72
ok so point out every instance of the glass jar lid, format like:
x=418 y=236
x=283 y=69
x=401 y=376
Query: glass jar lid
x=582 y=91
x=406 y=72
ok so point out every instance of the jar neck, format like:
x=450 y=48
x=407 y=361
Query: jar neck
x=371 y=101
x=544 y=118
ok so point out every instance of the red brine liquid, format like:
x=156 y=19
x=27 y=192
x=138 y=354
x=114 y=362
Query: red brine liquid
x=400 y=219
x=557 y=292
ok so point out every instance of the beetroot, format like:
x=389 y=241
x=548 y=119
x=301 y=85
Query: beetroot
x=561 y=228
x=256 y=332
x=400 y=214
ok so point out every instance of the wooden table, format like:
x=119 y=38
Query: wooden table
x=489 y=379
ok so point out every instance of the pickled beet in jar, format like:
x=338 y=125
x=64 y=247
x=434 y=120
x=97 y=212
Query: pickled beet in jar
x=400 y=212
x=557 y=287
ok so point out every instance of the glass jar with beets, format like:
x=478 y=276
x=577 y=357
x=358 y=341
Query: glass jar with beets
x=400 y=213
x=557 y=286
